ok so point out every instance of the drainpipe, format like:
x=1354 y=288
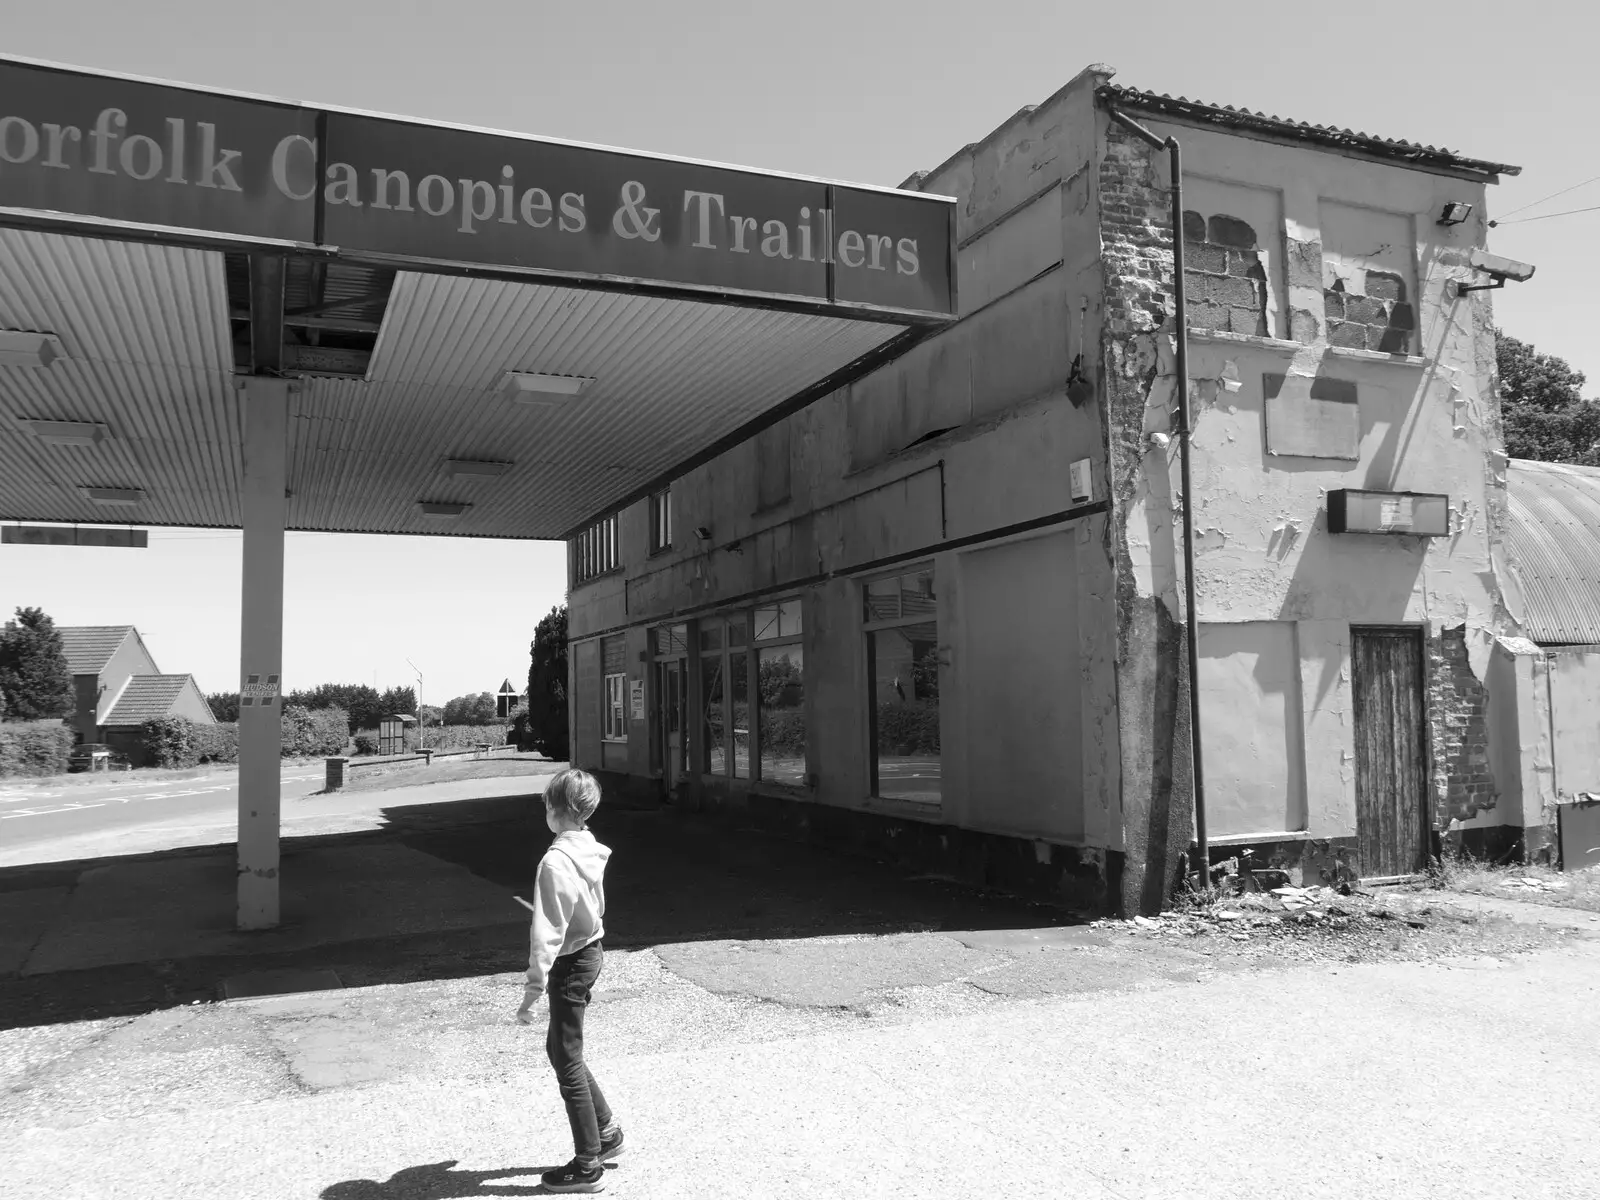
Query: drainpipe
x=1202 y=845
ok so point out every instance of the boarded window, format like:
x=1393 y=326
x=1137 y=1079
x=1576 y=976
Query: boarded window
x=772 y=446
x=1251 y=728
x=1312 y=417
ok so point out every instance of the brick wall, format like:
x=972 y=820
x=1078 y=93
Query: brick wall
x=1152 y=712
x=1225 y=277
x=1382 y=319
x=1458 y=706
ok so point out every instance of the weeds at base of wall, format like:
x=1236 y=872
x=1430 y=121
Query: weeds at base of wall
x=1530 y=883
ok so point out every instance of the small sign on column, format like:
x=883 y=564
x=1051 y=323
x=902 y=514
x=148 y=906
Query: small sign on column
x=258 y=691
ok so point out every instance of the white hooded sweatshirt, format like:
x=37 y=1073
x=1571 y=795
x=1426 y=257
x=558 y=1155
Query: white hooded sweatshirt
x=569 y=897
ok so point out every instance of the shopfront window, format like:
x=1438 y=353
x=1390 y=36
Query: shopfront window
x=753 y=694
x=902 y=629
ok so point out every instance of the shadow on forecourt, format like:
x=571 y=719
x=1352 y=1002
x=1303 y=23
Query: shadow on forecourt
x=674 y=877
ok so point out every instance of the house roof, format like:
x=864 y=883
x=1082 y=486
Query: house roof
x=1554 y=544
x=146 y=696
x=90 y=647
x=1243 y=120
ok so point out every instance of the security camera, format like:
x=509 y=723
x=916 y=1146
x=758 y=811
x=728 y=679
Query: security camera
x=1501 y=268
x=1497 y=268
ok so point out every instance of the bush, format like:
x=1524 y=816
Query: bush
x=314 y=733
x=168 y=742
x=217 y=743
x=367 y=742
x=783 y=731
x=35 y=747
x=908 y=727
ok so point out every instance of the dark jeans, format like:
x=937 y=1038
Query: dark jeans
x=571 y=980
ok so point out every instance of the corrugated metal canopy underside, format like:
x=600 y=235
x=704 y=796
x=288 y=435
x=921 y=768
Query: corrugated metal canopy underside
x=149 y=354
x=1554 y=545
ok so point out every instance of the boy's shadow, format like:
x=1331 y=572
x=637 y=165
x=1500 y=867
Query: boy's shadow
x=438 y=1181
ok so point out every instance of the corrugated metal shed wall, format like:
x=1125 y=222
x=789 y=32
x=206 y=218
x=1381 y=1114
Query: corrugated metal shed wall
x=1554 y=546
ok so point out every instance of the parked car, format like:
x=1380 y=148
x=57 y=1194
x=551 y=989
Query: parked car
x=89 y=756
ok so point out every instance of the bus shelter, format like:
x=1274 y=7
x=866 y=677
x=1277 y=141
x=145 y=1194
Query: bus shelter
x=236 y=311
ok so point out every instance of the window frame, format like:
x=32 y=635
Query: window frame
x=722 y=655
x=660 y=513
x=870 y=626
x=597 y=550
x=616 y=707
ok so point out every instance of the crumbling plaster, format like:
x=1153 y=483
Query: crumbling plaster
x=1428 y=422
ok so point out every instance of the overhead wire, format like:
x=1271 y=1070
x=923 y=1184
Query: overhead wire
x=1547 y=216
x=1505 y=220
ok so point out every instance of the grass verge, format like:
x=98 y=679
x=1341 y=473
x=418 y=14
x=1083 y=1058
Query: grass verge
x=414 y=773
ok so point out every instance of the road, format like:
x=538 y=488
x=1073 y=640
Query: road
x=34 y=814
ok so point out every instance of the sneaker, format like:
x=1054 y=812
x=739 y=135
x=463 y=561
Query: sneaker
x=610 y=1143
x=575 y=1177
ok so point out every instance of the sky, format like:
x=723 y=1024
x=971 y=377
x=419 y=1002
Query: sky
x=866 y=90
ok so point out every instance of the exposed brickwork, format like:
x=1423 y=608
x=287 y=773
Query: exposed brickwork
x=1137 y=275
x=1382 y=319
x=1226 y=279
x=1458 y=705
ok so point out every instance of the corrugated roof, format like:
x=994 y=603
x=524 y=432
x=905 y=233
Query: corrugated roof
x=90 y=647
x=146 y=697
x=1412 y=154
x=1554 y=545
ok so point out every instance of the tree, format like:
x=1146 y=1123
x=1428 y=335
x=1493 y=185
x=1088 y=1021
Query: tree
x=224 y=706
x=394 y=701
x=360 y=701
x=1546 y=417
x=476 y=709
x=34 y=677
x=547 y=687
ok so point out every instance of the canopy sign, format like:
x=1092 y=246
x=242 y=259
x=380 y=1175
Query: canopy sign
x=75 y=145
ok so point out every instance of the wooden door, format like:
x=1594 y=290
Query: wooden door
x=1391 y=781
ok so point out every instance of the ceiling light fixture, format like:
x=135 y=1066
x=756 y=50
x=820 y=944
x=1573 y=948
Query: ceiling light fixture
x=122 y=497
x=67 y=433
x=529 y=388
x=473 y=466
x=26 y=348
x=442 y=508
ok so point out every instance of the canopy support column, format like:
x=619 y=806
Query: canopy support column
x=264 y=508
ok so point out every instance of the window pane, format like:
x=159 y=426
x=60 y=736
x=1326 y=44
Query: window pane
x=714 y=759
x=739 y=685
x=711 y=635
x=738 y=631
x=916 y=595
x=883 y=599
x=906 y=712
x=781 y=690
x=777 y=620
x=671 y=641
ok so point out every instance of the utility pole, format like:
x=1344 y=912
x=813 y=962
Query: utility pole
x=422 y=724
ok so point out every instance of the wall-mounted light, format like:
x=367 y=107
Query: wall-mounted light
x=1454 y=213
x=119 y=497
x=25 y=348
x=528 y=387
x=441 y=508
x=67 y=433
x=703 y=532
x=476 y=467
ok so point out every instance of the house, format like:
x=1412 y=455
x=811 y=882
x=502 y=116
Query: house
x=118 y=687
x=940 y=614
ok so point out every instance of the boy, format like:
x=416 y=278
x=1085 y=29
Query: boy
x=565 y=954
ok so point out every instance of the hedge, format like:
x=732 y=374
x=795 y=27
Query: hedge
x=908 y=728
x=314 y=732
x=35 y=747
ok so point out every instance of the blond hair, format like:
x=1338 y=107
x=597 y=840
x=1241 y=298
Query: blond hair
x=574 y=794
